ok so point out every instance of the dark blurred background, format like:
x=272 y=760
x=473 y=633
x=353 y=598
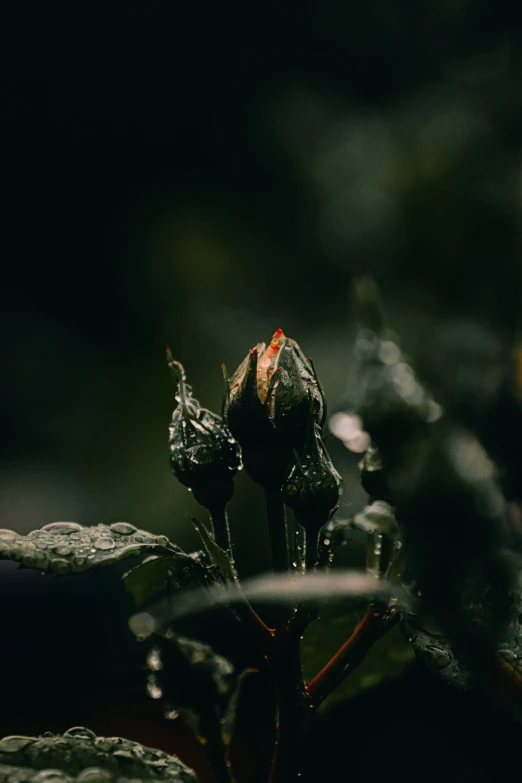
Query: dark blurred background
x=200 y=175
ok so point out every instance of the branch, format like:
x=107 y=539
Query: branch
x=277 y=530
x=371 y=628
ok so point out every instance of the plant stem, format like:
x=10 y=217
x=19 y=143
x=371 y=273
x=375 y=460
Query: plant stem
x=214 y=749
x=293 y=708
x=311 y=550
x=277 y=529
x=352 y=652
x=221 y=529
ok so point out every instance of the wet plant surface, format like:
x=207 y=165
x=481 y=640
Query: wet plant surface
x=248 y=678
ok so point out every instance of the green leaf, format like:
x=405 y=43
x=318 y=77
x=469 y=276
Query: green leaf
x=151 y=577
x=79 y=755
x=228 y=723
x=430 y=644
x=218 y=556
x=63 y=548
x=386 y=660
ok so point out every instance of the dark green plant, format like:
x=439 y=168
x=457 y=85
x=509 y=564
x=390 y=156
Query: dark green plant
x=441 y=561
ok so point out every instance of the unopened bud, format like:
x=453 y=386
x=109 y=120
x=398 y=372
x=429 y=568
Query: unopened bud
x=313 y=486
x=203 y=454
x=267 y=406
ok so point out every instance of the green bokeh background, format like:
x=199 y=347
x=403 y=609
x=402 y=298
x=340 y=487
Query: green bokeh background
x=201 y=175
x=165 y=185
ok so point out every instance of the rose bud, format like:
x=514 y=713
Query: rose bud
x=296 y=386
x=313 y=486
x=267 y=406
x=203 y=454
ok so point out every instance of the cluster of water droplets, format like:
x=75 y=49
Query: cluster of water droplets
x=430 y=643
x=79 y=756
x=62 y=548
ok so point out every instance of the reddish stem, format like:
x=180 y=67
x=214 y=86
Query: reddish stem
x=369 y=630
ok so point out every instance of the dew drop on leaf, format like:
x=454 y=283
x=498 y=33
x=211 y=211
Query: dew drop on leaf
x=122 y=528
x=104 y=543
x=94 y=775
x=62 y=528
x=60 y=566
x=153 y=689
x=7 y=535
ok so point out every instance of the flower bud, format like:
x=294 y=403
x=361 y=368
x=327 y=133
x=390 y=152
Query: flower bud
x=203 y=454
x=296 y=395
x=268 y=405
x=313 y=485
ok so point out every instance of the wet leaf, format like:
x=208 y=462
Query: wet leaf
x=217 y=555
x=431 y=644
x=63 y=548
x=159 y=574
x=286 y=589
x=79 y=756
x=386 y=660
x=229 y=718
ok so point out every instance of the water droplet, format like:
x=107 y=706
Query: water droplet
x=124 y=754
x=94 y=775
x=31 y=561
x=508 y=655
x=14 y=743
x=153 y=689
x=8 y=535
x=122 y=528
x=142 y=625
x=51 y=776
x=438 y=657
x=62 y=550
x=154 y=660
x=80 y=732
x=60 y=566
x=62 y=527
x=171 y=714
x=104 y=543
x=102 y=743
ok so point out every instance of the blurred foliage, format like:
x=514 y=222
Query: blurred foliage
x=168 y=179
x=207 y=200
